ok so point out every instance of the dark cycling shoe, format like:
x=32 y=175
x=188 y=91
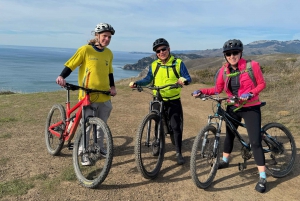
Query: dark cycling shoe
x=180 y=159
x=85 y=161
x=103 y=152
x=223 y=164
x=261 y=185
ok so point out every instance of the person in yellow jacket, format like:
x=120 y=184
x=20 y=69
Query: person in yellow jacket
x=168 y=70
x=95 y=72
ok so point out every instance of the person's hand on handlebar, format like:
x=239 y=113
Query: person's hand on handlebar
x=113 y=91
x=61 y=81
x=196 y=93
x=132 y=85
x=182 y=81
x=246 y=96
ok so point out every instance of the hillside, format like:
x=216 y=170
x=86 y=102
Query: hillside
x=266 y=59
x=29 y=172
x=263 y=51
x=146 y=61
x=258 y=48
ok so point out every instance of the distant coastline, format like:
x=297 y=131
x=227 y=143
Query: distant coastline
x=35 y=69
x=150 y=53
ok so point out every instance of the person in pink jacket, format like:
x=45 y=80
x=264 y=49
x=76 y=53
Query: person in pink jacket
x=240 y=84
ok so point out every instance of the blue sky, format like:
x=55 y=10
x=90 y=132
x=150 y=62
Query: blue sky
x=186 y=24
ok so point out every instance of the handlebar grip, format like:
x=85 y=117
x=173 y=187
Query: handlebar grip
x=72 y=87
x=176 y=86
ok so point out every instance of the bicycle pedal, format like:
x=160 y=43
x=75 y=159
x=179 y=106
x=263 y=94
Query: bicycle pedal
x=242 y=166
x=70 y=146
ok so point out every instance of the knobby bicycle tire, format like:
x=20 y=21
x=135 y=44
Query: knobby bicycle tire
x=278 y=163
x=149 y=153
x=56 y=114
x=93 y=174
x=204 y=160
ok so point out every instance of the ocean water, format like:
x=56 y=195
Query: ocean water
x=34 y=69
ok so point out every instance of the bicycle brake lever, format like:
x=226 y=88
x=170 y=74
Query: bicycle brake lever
x=107 y=93
x=233 y=99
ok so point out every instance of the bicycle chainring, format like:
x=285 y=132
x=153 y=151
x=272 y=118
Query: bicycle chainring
x=246 y=154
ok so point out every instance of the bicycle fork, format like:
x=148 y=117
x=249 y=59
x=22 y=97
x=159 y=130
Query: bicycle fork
x=157 y=139
x=85 y=126
x=217 y=136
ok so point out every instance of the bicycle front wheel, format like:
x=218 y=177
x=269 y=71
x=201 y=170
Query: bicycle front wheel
x=93 y=164
x=281 y=147
x=204 y=158
x=57 y=115
x=149 y=149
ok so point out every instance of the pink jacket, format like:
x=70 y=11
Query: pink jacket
x=246 y=84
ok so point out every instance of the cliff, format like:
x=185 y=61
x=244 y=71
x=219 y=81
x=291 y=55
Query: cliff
x=146 y=61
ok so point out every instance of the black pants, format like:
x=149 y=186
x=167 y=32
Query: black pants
x=252 y=118
x=175 y=114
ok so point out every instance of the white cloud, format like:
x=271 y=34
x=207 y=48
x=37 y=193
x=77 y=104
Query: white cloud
x=186 y=24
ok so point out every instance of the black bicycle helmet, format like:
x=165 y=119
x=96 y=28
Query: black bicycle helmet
x=233 y=44
x=102 y=27
x=160 y=42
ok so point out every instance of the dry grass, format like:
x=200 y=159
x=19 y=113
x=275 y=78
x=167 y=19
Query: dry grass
x=28 y=172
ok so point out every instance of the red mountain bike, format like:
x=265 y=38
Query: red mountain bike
x=61 y=126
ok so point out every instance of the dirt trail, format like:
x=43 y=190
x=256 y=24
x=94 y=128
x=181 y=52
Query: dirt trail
x=124 y=182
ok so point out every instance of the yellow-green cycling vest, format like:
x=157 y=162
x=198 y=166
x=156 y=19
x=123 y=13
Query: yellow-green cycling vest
x=166 y=75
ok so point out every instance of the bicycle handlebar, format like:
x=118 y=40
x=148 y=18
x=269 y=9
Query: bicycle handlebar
x=217 y=98
x=73 y=87
x=158 y=88
x=232 y=99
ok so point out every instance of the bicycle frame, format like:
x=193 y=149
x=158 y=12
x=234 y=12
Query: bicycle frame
x=277 y=141
x=222 y=115
x=67 y=136
x=80 y=107
x=161 y=112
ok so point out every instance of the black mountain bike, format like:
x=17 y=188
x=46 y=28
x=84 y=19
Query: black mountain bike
x=150 y=139
x=277 y=141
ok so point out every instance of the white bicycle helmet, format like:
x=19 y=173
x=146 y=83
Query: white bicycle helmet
x=102 y=27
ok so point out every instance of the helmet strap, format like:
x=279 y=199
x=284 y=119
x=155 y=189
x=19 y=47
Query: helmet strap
x=167 y=59
x=98 y=42
x=227 y=60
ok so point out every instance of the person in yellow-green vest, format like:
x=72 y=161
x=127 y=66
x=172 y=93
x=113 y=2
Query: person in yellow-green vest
x=95 y=72
x=168 y=70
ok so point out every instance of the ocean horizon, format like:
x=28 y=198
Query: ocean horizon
x=29 y=69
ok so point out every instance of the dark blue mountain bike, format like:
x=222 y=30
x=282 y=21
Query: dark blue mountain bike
x=277 y=141
x=149 y=147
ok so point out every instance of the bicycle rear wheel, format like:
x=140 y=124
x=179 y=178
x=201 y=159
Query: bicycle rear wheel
x=281 y=158
x=149 y=151
x=204 y=159
x=93 y=164
x=57 y=114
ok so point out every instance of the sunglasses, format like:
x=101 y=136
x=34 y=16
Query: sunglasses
x=161 y=50
x=234 y=53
